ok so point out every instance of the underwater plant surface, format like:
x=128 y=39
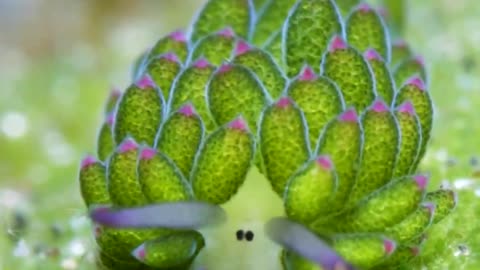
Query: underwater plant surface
x=429 y=255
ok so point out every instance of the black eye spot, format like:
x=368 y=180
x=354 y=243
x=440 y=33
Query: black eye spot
x=240 y=235
x=249 y=236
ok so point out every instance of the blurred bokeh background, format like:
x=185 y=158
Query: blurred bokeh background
x=59 y=59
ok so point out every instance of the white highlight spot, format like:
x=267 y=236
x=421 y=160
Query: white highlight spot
x=69 y=264
x=77 y=248
x=14 y=125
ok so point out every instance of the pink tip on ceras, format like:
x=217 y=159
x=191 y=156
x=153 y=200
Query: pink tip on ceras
x=187 y=110
x=148 y=153
x=239 y=124
x=421 y=181
x=337 y=43
x=349 y=115
x=325 y=162
x=430 y=207
x=379 y=106
x=407 y=108
x=170 y=56
x=201 y=63
x=227 y=32
x=110 y=119
x=139 y=253
x=224 y=68
x=127 y=145
x=419 y=60
x=178 y=36
x=307 y=74
x=383 y=12
x=389 y=246
x=88 y=161
x=417 y=82
x=115 y=92
x=284 y=102
x=145 y=82
x=242 y=47
x=364 y=7
x=399 y=43
x=372 y=54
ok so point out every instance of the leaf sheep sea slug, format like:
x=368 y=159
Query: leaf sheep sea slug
x=273 y=134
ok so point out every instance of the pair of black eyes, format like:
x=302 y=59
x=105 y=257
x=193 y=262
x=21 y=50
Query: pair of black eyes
x=248 y=235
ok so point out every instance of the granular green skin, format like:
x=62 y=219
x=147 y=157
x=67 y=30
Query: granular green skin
x=410 y=143
x=320 y=101
x=163 y=72
x=445 y=201
x=408 y=68
x=222 y=164
x=309 y=192
x=361 y=250
x=215 y=47
x=173 y=250
x=236 y=92
x=383 y=208
x=190 y=87
x=93 y=186
x=217 y=14
x=309 y=29
x=400 y=53
x=161 y=181
x=122 y=183
x=366 y=30
x=139 y=115
x=118 y=244
x=271 y=20
x=346 y=6
x=105 y=142
x=380 y=149
x=384 y=83
x=263 y=65
x=411 y=227
x=169 y=45
x=399 y=259
x=284 y=144
x=423 y=105
x=274 y=46
x=350 y=71
x=342 y=141
x=180 y=139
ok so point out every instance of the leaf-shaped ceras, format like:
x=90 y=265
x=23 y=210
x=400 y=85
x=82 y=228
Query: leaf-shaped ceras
x=284 y=142
x=235 y=90
x=366 y=30
x=180 y=137
x=216 y=14
x=139 y=112
x=380 y=150
x=342 y=139
x=263 y=65
x=350 y=71
x=223 y=162
x=307 y=31
x=319 y=99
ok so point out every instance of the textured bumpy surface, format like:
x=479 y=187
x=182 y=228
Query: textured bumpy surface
x=312 y=92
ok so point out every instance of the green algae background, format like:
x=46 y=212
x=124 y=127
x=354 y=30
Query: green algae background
x=51 y=103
